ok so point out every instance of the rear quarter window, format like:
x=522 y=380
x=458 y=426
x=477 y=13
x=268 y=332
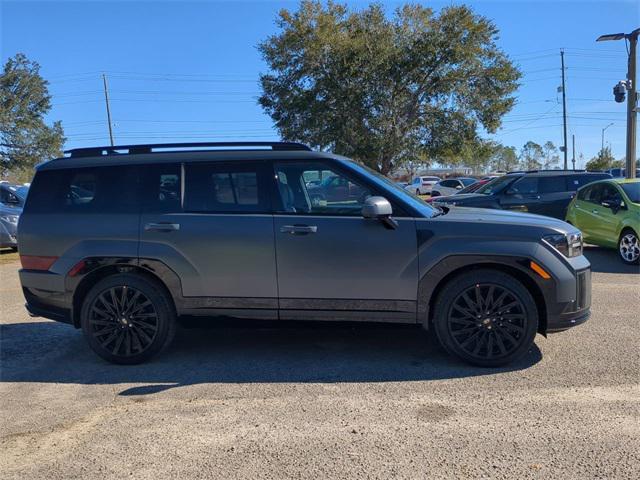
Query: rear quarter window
x=91 y=190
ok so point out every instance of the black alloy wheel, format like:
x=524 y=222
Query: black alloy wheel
x=487 y=318
x=487 y=321
x=123 y=320
x=127 y=318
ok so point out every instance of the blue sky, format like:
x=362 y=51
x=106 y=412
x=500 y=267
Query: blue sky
x=187 y=71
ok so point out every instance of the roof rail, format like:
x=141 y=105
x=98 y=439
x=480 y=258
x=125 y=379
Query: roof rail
x=542 y=170
x=150 y=148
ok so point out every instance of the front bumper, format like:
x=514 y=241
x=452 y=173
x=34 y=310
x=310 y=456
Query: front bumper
x=8 y=237
x=565 y=315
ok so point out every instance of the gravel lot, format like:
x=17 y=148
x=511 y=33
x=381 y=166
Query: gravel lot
x=324 y=402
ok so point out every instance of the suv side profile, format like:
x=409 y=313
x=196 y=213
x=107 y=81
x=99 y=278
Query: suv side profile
x=123 y=242
x=544 y=192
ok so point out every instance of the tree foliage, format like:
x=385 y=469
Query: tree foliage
x=386 y=90
x=603 y=161
x=25 y=138
x=504 y=159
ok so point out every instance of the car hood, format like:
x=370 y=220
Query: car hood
x=458 y=197
x=505 y=217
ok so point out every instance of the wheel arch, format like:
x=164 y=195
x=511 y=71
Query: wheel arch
x=98 y=269
x=433 y=282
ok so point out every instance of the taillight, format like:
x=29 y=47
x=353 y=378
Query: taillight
x=77 y=268
x=36 y=262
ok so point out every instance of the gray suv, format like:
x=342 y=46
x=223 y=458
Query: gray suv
x=124 y=242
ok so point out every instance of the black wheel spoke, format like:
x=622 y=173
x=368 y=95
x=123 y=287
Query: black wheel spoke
x=123 y=320
x=487 y=321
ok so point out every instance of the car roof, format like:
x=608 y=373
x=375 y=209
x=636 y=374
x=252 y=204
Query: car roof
x=185 y=156
x=626 y=180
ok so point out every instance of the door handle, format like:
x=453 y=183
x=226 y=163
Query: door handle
x=298 y=229
x=162 y=227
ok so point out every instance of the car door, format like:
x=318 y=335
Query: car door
x=334 y=264
x=609 y=224
x=591 y=214
x=522 y=196
x=211 y=224
x=554 y=196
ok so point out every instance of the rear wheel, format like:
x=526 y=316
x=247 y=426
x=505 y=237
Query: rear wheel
x=486 y=317
x=127 y=319
x=629 y=247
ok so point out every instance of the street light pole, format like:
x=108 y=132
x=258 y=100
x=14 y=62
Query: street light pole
x=632 y=100
x=602 y=148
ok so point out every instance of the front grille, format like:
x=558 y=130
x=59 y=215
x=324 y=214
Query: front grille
x=583 y=290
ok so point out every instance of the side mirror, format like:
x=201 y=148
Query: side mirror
x=510 y=191
x=459 y=187
x=613 y=203
x=379 y=208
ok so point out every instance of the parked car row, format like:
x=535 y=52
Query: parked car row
x=12 y=198
x=605 y=209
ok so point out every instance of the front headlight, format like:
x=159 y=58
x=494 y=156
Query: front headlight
x=13 y=219
x=570 y=244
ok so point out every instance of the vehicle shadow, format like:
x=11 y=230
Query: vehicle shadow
x=55 y=353
x=606 y=260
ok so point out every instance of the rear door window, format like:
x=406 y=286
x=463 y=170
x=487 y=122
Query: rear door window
x=226 y=188
x=526 y=185
x=552 y=184
x=161 y=188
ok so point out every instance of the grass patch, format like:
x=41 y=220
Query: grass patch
x=8 y=256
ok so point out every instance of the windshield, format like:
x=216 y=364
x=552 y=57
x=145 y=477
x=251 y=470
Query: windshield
x=415 y=201
x=467 y=181
x=472 y=188
x=632 y=190
x=497 y=185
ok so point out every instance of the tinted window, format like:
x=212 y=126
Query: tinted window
x=224 y=188
x=609 y=192
x=161 y=188
x=340 y=195
x=497 y=184
x=526 y=185
x=468 y=181
x=593 y=194
x=8 y=197
x=449 y=183
x=85 y=190
x=632 y=190
x=552 y=184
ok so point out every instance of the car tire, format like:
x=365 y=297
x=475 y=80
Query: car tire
x=127 y=318
x=471 y=322
x=629 y=247
x=417 y=191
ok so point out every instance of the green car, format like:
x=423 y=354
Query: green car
x=608 y=213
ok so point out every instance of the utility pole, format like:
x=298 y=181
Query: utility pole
x=632 y=100
x=564 y=110
x=603 y=130
x=106 y=99
x=573 y=156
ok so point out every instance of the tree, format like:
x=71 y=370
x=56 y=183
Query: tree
x=504 y=159
x=25 y=139
x=385 y=90
x=531 y=156
x=550 y=155
x=603 y=161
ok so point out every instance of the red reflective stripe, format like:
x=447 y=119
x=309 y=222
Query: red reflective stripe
x=76 y=268
x=36 y=262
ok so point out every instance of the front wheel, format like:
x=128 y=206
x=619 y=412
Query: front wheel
x=629 y=247
x=486 y=317
x=127 y=319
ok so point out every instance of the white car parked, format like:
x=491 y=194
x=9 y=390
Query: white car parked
x=422 y=185
x=451 y=186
